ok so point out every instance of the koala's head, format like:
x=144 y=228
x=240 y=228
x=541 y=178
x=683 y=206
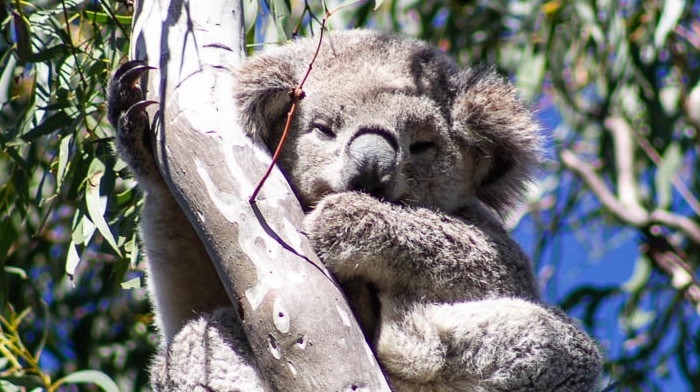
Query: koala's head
x=393 y=117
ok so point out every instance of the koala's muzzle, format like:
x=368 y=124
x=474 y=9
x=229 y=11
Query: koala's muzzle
x=373 y=161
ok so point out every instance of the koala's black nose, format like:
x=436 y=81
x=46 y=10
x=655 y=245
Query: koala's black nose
x=372 y=156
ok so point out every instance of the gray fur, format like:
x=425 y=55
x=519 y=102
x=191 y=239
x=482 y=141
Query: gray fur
x=403 y=162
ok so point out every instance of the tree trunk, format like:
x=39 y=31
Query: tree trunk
x=298 y=323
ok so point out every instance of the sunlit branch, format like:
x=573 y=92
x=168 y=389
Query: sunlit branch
x=600 y=190
x=637 y=217
x=681 y=274
x=624 y=159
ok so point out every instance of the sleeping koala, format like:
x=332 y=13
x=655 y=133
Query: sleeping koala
x=404 y=163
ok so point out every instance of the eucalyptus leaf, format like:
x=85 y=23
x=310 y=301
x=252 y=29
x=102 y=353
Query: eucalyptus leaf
x=16 y=271
x=134 y=283
x=54 y=122
x=637 y=319
x=670 y=163
x=26 y=381
x=91 y=377
x=279 y=12
x=671 y=14
x=72 y=260
x=63 y=155
x=6 y=386
x=97 y=203
x=640 y=275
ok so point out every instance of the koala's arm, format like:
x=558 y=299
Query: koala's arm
x=358 y=236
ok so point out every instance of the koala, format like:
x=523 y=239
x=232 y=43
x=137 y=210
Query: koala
x=404 y=164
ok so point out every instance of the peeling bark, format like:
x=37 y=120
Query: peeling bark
x=297 y=320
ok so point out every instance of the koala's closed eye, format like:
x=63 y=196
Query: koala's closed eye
x=323 y=129
x=422 y=147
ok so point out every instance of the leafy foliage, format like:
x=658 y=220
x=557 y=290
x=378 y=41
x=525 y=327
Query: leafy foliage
x=65 y=198
x=618 y=89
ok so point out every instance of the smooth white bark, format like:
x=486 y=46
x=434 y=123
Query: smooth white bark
x=297 y=321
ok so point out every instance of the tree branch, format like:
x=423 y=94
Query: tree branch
x=297 y=321
x=601 y=191
x=638 y=217
x=624 y=161
x=682 y=276
x=677 y=182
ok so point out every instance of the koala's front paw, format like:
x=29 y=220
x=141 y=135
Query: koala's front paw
x=345 y=229
x=126 y=111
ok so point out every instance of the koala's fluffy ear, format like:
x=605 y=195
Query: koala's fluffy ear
x=262 y=91
x=499 y=133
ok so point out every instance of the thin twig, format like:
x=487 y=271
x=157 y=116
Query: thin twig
x=297 y=95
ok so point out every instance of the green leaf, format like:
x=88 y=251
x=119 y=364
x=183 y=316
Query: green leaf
x=83 y=228
x=530 y=73
x=54 y=122
x=91 y=377
x=250 y=14
x=22 y=36
x=27 y=381
x=668 y=166
x=17 y=271
x=6 y=386
x=72 y=260
x=637 y=319
x=97 y=203
x=671 y=14
x=63 y=155
x=134 y=283
x=279 y=12
x=587 y=14
x=103 y=18
x=52 y=53
x=640 y=275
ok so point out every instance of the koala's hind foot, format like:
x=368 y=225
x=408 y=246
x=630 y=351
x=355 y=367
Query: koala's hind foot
x=126 y=111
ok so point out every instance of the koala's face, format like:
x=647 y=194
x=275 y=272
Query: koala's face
x=391 y=117
x=388 y=143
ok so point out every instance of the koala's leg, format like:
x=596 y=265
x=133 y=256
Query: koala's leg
x=491 y=345
x=209 y=354
x=182 y=280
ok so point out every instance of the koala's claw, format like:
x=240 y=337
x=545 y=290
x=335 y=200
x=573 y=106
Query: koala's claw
x=131 y=71
x=124 y=90
x=138 y=107
x=126 y=112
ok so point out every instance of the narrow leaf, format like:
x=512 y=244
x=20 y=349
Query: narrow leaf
x=103 y=18
x=640 y=275
x=91 y=377
x=16 y=271
x=63 y=154
x=669 y=164
x=673 y=9
x=72 y=260
x=22 y=36
x=56 y=121
x=134 y=283
x=97 y=204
